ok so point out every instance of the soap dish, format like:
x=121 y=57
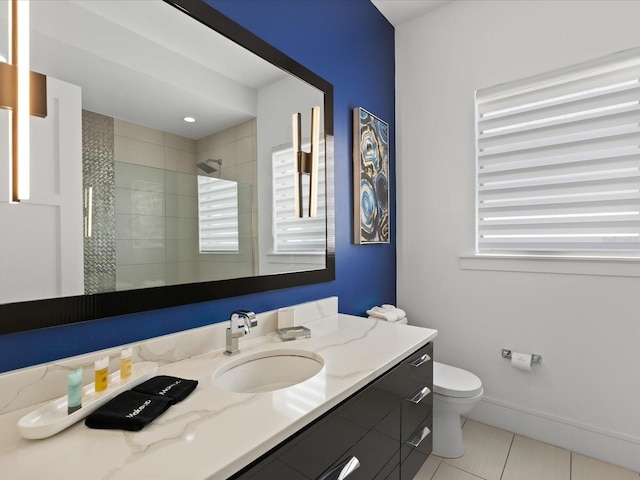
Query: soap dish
x=53 y=418
x=292 y=333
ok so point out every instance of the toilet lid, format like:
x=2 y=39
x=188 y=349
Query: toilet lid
x=455 y=382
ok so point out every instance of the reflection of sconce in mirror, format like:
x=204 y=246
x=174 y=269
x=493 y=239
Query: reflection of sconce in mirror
x=306 y=163
x=88 y=209
x=23 y=92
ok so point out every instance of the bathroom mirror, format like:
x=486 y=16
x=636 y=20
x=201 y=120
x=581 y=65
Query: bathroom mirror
x=133 y=208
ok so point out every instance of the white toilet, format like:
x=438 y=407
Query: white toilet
x=455 y=392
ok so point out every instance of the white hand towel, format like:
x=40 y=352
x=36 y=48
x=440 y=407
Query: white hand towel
x=380 y=319
x=389 y=316
x=398 y=311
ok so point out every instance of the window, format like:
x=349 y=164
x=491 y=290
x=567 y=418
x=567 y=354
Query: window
x=292 y=234
x=217 y=215
x=558 y=162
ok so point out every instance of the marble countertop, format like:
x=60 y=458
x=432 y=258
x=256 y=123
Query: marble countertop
x=214 y=433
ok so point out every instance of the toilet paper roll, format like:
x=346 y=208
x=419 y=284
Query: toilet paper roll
x=521 y=361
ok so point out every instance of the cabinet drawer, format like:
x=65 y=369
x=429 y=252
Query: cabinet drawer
x=415 y=370
x=322 y=445
x=416 y=449
x=391 y=470
x=273 y=469
x=372 y=405
x=373 y=452
x=415 y=409
x=391 y=425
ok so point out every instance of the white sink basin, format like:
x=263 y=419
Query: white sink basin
x=267 y=371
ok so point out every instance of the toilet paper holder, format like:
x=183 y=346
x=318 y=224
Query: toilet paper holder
x=535 y=358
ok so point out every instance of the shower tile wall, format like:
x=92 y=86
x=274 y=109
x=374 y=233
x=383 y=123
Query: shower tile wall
x=157 y=210
x=148 y=166
x=236 y=147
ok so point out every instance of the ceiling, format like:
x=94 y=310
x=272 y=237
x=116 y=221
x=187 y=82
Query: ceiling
x=151 y=73
x=401 y=11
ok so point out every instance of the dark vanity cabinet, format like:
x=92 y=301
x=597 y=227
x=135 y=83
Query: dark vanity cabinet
x=381 y=432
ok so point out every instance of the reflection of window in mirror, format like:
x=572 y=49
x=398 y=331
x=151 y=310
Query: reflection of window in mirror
x=217 y=215
x=293 y=235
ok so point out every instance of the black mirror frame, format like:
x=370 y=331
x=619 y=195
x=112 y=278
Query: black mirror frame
x=31 y=315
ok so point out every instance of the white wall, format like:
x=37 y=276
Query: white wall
x=50 y=262
x=586 y=393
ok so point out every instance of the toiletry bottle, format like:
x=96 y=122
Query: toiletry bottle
x=125 y=363
x=101 y=374
x=74 y=390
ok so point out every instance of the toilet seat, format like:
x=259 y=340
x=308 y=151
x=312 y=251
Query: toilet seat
x=455 y=382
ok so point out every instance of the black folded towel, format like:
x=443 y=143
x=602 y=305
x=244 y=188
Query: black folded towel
x=128 y=411
x=173 y=388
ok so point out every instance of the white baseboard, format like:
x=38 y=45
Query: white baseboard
x=611 y=447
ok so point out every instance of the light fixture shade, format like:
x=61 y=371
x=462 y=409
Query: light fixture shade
x=306 y=163
x=20 y=50
x=18 y=98
x=297 y=160
x=313 y=169
x=24 y=93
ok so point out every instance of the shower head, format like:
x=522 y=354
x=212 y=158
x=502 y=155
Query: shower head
x=207 y=167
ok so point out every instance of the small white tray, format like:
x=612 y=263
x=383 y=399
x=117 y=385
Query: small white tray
x=53 y=418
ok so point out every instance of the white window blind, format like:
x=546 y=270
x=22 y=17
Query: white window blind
x=217 y=215
x=290 y=233
x=558 y=161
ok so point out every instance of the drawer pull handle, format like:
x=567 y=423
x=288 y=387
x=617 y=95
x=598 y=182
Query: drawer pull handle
x=419 y=395
x=420 y=360
x=418 y=436
x=342 y=470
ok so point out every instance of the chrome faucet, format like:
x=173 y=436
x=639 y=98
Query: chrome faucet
x=241 y=323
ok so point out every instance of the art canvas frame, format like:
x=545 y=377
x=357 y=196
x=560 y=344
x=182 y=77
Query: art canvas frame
x=370 y=178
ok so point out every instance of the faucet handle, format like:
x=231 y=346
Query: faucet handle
x=239 y=328
x=248 y=317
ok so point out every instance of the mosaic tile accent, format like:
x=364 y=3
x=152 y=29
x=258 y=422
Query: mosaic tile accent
x=98 y=175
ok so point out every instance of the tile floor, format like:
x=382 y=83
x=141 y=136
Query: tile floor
x=495 y=454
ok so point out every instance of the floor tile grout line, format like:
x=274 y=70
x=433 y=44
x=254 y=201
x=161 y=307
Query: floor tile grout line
x=461 y=469
x=436 y=470
x=504 y=467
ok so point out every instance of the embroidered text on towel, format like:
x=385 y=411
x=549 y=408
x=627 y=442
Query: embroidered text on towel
x=136 y=411
x=168 y=387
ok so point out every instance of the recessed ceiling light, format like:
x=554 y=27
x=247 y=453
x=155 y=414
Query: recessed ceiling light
x=189 y=119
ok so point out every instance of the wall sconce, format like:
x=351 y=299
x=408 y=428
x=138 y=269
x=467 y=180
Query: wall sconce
x=24 y=93
x=306 y=163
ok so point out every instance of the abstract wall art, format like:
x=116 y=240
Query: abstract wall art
x=370 y=178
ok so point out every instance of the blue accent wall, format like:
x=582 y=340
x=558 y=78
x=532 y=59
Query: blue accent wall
x=348 y=43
